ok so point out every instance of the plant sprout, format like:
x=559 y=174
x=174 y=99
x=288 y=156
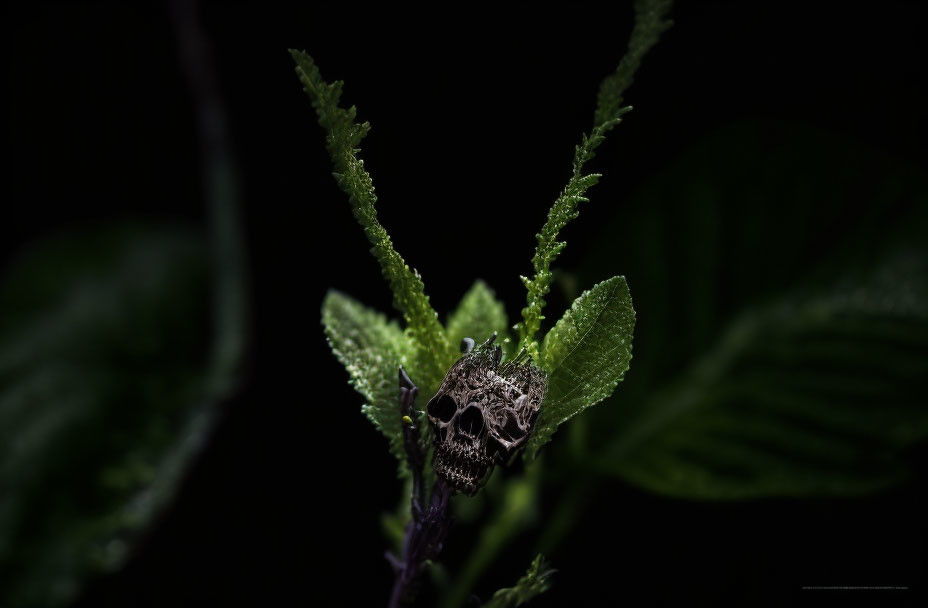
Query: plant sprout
x=485 y=405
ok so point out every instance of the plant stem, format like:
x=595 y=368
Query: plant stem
x=516 y=511
x=425 y=536
x=426 y=531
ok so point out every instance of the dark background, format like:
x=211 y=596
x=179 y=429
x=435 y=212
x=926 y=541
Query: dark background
x=475 y=112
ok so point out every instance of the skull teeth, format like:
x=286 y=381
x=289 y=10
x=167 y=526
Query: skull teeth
x=460 y=467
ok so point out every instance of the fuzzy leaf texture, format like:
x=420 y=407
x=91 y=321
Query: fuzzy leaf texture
x=585 y=354
x=535 y=582
x=649 y=23
x=477 y=316
x=433 y=353
x=370 y=348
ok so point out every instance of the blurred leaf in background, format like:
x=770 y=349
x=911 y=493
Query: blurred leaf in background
x=784 y=272
x=106 y=389
x=118 y=344
x=534 y=583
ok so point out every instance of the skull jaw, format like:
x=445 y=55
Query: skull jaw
x=461 y=467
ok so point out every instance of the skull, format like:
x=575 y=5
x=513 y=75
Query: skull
x=482 y=414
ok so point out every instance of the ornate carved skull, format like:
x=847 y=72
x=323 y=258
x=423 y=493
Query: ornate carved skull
x=482 y=414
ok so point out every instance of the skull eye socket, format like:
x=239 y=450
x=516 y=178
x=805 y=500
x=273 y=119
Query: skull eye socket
x=442 y=408
x=470 y=422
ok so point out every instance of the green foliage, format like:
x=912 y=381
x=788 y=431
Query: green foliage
x=585 y=355
x=562 y=212
x=477 y=316
x=107 y=385
x=433 y=348
x=649 y=23
x=433 y=353
x=370 y=348
x=811 y=395
x=535 y=582
x=772 y=361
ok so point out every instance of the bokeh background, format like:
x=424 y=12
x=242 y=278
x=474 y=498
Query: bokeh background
x=174 y=430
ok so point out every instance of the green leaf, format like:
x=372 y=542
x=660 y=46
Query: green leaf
x=812 y=395
x=107 y=386
x=585 y=355
x=532 y=584
x=371 y=349
x=477 y=316
x=751 y=375
x=649 y=23
x=433 y=353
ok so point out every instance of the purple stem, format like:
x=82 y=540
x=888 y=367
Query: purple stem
x=426 y=532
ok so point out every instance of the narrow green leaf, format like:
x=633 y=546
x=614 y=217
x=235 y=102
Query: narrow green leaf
x=532 y=584
x=811 y=395
x=434 y=354
x=649 y=23
x=585 y=355
x=371 y=349
x=477 y=316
